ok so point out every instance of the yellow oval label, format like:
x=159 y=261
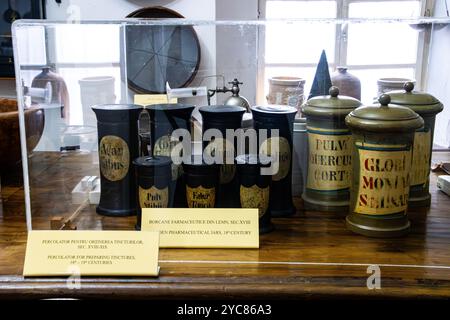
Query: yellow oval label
x=221 y=148
x=421 y=158
x=255 y=197
x=114 y=158
x=200 y=197
x=330 y=161
x=278 y=148
x=163 y=147
x=384 y=180
x=153 y=197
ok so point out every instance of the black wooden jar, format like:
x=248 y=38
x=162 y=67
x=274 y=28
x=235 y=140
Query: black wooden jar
x=282 y=118
x=118 y=145
x=164 y=119
x=254 y=187
x=223 y=118
x=153 y=176
x=202 y=182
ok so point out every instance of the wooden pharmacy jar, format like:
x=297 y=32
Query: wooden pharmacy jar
x=427 y=107
x=164 y=119
x=118 y=145
x=383 y=138
x=221 y=118
x=281 y=118
x=329 y=174
x=153 y=183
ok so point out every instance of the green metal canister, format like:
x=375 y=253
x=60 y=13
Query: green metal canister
x=383 y=138
x=330 y=152
x=427 y=107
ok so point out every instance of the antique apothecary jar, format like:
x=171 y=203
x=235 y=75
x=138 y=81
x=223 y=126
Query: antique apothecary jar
x=254 y=186
x=427 y=107
x=216 y=121
x=330 y=152
x=118 y=145
x=279 y=148
x=164 y=119
x=202 y=182
x=153 y=176
x=383 y=138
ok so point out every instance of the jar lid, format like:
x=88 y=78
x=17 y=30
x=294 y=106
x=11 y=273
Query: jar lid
x=169 y=106
x=198 y=167
x=117 y=107
x=274 y=109
x=420 y=102
x=332 y=105
x=152 y=161
x=384 y=117
x=219 y=109
x=253 y=159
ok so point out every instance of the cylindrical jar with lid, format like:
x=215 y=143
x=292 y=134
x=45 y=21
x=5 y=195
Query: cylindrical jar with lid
x=330 y=152
x=164 y=119
x=153 y=177
x=221 y=118
x=383 y=137
x=254 y=187
x=427 y=107
x=279 y=148
x=118 y=145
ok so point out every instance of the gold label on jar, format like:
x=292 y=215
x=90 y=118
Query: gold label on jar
x=255 y=197
x=330 y=160
x=163 y=147
x=221 y=148
x=114 y=158
x=200 y=197
x=283 y=155
x=153 y=197
x=421 y=158
x=384 y=180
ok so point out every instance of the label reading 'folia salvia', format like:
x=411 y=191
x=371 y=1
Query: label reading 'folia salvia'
x=330 y=160
x=383 y=182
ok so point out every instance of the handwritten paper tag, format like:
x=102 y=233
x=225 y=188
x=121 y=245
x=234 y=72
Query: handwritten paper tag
x=91 y=253
x=203 y=228
x=147 y=99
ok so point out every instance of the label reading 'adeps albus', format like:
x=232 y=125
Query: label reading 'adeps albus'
x=278 y=148
x=383 y=182
x=421 y=158
x=330 y=161
x=255 y=197
x=199 y=197
x=153 y=197
x=114 y=158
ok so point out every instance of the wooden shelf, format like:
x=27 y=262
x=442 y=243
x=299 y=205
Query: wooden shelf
x=311 y=255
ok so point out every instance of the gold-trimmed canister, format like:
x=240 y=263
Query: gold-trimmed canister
x=427 y=107
x=383 y=137
x=330 y=152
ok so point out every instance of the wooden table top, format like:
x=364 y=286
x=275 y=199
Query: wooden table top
x=310 y=255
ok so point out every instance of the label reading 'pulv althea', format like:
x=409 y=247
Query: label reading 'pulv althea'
x=383 y=182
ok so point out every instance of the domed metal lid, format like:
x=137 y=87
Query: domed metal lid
x=332 y=105
x=384 y=117
x=420 y=102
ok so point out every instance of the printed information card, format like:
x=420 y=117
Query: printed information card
x=91 y=253
x=203 y=228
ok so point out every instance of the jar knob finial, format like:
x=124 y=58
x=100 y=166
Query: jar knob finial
x=334 y=91
x=384 y=99
x=408 y=86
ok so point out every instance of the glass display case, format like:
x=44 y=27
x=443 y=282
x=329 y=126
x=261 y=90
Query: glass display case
x=64 y=69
